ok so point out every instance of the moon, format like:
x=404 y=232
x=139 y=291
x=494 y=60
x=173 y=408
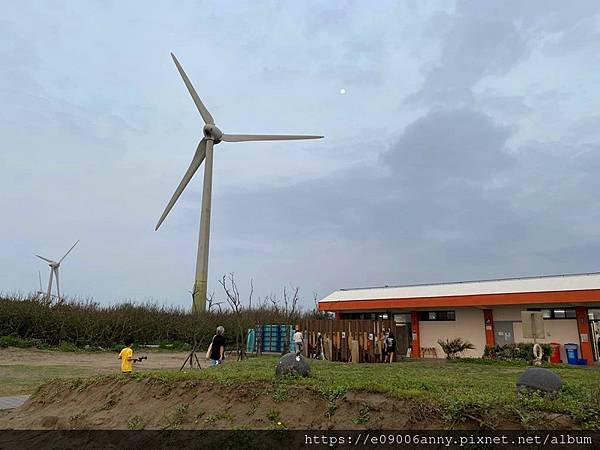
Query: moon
x=342 y=91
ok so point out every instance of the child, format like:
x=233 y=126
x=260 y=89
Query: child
x=126 y=357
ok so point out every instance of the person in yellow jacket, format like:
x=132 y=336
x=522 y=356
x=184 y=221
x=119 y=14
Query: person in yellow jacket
x=126 y=357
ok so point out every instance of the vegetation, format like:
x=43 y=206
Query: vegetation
x=456 y=390
x=510 y=352
x=454 y=348
x=75 y=324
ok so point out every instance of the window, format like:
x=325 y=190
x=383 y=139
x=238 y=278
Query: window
x=402 y=318
x=556 y=313
x=430 y=316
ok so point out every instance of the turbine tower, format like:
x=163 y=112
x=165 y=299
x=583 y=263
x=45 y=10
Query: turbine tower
x=212 y=136
x=54 y=266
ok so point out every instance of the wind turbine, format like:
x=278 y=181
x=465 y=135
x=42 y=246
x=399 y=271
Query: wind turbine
x=40 y=293
x=54 y=266
x=212 y=136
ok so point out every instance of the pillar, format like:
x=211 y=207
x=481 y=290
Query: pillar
x=584 y=333
x=416 y=337
x=488 y=322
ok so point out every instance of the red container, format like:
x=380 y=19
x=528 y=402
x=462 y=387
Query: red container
x=555 y=355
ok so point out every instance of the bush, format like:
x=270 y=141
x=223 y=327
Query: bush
x=510 y=352
x=75 y=324
x=454 y=348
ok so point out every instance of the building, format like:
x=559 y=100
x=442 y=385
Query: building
x=486 y=312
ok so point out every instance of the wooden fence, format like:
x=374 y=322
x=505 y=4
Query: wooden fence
x=352 y=340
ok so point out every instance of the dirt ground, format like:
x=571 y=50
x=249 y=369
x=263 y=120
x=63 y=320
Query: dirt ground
x=99 y=360
x=201 y=404
x=23 y=370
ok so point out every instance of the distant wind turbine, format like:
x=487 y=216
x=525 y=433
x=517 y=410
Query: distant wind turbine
x=54 y=266
x=212 y=136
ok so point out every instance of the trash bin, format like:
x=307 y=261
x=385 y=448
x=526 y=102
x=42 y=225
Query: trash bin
x=555 y=355
x=571 y=351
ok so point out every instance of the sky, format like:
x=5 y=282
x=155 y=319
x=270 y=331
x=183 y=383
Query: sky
x=466 y=145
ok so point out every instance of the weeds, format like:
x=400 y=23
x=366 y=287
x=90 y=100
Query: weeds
x=281 y=394
x=364 y=415
x=175 y=419
x=136 y=423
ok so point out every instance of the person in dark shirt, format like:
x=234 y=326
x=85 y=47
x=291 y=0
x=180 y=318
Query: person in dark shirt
x=390 y=346
x=217 y=348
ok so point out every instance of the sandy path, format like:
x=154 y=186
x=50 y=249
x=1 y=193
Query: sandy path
x=99 y=360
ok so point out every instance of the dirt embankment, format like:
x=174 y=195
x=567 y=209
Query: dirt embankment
x=199 y=404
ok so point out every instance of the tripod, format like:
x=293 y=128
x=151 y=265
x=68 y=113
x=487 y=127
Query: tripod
x=192 y=356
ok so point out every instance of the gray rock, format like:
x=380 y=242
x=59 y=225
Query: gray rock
x=292 y=364
x=539 y=379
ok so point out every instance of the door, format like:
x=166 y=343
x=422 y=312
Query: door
x=504 y=333
x=403 y=339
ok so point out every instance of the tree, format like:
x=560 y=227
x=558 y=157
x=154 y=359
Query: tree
x=233 y=299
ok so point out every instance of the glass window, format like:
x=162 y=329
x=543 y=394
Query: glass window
x=402 y=318
x=437 y=315
x=547 y=313
x=559 y=314
x=570 y=314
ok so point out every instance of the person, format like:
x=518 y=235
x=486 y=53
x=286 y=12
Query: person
x=390 y=346
x=298 y=340
x=126 y=357
x=217 y=351
x=383 y=338
x=320 y=351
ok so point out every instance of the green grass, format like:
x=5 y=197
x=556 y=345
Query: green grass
x=454 y=390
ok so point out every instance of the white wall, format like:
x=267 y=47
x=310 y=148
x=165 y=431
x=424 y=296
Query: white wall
x=562 y=331
x=468 y=325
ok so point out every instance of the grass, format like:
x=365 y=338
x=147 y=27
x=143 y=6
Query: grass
x=454 y=390
x=458 y=390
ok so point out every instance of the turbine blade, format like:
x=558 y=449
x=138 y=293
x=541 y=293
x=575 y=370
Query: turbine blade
x=201 y=108
x=196 y=161
x=61 y=259
x=265 y=137
x=45 y=259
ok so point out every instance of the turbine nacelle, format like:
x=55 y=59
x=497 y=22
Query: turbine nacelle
x=213 y=133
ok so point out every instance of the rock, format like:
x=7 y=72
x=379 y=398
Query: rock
x=292 y=364
x=539 y=379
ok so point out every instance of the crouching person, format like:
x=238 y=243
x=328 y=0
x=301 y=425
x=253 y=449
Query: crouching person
x=217 y=348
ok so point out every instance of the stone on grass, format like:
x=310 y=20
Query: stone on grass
x=539 y=379
x=292 y=364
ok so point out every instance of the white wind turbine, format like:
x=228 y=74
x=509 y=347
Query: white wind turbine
x=54 y=266
x=212 y=136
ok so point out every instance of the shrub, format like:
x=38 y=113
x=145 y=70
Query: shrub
x=29 y=322
x=510 y=352
x=454 y=348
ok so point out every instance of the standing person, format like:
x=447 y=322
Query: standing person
x=126 y=357
x=298 y=341
x=217 y=347
x=383 y=338
x=320 y=349
x=390 y=346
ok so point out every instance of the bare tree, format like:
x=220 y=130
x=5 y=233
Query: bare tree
x=251 y=292
x=233 y=299
x=290 y=310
